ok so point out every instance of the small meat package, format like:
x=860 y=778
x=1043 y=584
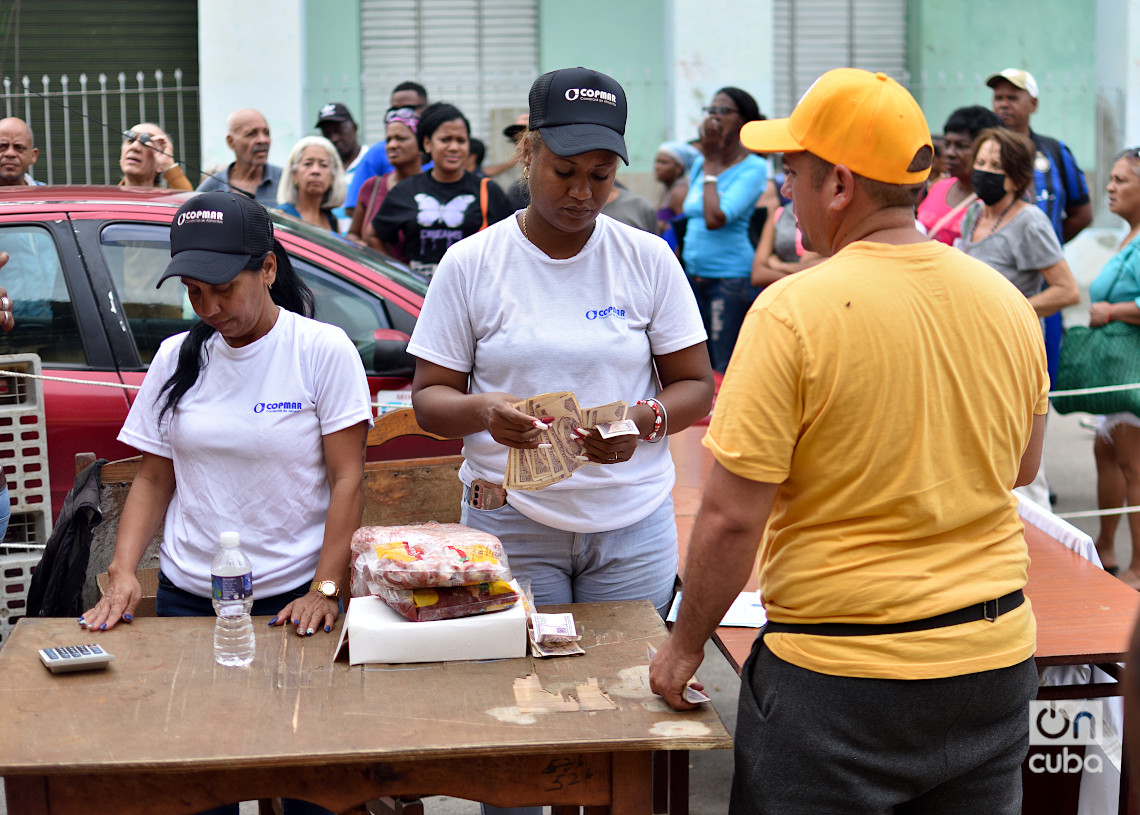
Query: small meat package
x=428 y=556
x=432 y=571
x=420 y=605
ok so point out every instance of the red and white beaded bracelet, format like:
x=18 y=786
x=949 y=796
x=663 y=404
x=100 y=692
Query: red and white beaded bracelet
x=660 y=420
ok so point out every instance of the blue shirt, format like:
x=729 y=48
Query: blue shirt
x=266 y=194
x=1058 y=180
x=1123 y=270
x=375 y=162
x=724 y=252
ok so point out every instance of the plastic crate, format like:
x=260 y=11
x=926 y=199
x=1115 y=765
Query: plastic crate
x=15 y=580
x=23 y=450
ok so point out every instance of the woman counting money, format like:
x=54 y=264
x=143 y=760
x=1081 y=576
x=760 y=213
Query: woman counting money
x=563 y=298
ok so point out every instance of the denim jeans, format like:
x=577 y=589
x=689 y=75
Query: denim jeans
x=171 y=601
x=723 y=302
x=636 y=562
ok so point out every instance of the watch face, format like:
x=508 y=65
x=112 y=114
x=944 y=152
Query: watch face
x=327 y=588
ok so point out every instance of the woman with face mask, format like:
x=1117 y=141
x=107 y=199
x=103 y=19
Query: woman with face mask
x=1005 y=230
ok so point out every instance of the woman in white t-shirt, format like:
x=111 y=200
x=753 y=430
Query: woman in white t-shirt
x=258 y=415
x=562 y=298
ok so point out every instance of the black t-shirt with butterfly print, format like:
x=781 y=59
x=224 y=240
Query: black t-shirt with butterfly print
x=432 y=215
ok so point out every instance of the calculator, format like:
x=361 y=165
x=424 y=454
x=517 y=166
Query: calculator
x=67 y=658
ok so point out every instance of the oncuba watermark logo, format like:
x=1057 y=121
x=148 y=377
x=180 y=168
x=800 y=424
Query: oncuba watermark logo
x=1066 y=723
x=277 y=407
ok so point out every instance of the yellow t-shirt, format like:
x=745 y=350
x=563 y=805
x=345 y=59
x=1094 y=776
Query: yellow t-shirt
x=890 y=391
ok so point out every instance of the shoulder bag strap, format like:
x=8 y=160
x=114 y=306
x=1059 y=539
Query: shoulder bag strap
x=483 y=200
x=949 y=216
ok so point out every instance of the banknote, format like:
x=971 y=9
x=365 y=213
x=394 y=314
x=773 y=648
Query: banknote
x=543 y=466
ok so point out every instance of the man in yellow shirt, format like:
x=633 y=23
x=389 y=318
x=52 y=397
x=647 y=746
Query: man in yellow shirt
x=877 y=411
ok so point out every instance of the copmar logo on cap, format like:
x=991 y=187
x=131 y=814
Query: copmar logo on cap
x=210 y=216
x=328 y=110
x=591 y=94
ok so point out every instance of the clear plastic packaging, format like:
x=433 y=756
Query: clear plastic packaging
x=426 y=556
x=421 y=605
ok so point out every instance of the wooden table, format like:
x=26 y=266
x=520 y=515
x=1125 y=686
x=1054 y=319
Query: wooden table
x=164 y=729
x=1084 y=616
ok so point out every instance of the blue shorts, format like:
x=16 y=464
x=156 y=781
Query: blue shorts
x=635 y=562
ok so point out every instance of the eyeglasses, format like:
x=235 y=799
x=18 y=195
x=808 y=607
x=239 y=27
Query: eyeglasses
x=718 y=110
x=396 y=114
x=1130 y=153
x=133 y=136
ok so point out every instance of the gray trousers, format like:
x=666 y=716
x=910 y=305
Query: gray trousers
x=817 y=744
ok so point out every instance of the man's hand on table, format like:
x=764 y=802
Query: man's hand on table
x=310 y=614
x=671 y=670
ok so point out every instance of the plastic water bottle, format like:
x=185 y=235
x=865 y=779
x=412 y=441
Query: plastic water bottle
x=232 y=577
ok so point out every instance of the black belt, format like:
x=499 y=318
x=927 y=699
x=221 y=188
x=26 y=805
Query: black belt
x=989 y=610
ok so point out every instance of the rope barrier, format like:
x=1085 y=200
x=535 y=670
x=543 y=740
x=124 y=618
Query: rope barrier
x=1101 y=389
x=25 y=375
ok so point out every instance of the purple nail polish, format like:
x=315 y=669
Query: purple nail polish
x=103 y=627
x=128 y=617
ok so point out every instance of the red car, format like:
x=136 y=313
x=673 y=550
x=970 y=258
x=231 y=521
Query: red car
x=84 y=261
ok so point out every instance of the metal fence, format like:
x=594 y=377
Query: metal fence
x=78 y=130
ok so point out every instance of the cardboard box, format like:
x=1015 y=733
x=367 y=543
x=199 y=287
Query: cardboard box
x=149 y=580
x=376 y=633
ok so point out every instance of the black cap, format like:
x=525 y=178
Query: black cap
x=578 y=110
x=333 y=112
x=214 y=236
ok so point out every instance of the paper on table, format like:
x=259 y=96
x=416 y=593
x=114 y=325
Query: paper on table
x=746 y=611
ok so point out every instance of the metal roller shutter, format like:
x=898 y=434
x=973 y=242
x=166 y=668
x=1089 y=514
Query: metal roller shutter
x=814 y=36
x=479 y=55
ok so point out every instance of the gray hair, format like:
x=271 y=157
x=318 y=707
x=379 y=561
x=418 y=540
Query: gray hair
x=287 y=190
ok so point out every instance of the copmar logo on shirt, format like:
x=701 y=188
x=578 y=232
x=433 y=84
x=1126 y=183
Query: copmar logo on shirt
x=277 y=407
x=601 y=314
x=591 y=95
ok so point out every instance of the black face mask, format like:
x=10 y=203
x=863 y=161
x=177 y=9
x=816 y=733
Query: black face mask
x=990 y=187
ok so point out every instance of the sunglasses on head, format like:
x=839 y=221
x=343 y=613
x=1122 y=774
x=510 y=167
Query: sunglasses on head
x=1130 y=153
x=133 y=135
x=396 y=114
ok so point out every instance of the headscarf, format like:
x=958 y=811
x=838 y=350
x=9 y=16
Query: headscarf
x=681 y=152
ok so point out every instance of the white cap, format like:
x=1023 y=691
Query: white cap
x=230 y=540
x=1017 y=77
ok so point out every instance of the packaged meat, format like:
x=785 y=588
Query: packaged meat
x=425 y=556
x=421 y=605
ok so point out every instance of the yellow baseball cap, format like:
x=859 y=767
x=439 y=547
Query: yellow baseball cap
x=864 y=121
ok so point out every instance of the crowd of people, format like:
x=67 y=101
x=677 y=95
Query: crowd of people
x=882 y=392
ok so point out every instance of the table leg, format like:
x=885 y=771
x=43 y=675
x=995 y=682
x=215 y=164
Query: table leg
x=631 y=784
x=26 y=794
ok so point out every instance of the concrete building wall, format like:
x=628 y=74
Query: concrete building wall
x=714 y=45
x=251 y=55
x=955 y=45
x=625 y=40
x=332 y=58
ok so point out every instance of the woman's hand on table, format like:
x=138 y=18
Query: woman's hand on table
x=117 y=603
x=311 y=613
x=1099 y=314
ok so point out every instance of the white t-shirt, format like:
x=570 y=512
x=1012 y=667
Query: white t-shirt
x=246 y=442
x=525 y=324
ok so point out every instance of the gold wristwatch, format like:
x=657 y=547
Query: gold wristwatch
x=326 y=588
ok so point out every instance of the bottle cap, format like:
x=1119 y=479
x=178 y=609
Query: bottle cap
x=230 y=540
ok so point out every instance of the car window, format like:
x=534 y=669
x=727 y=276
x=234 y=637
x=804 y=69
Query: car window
x=136 y=256
x=357 y=311
x=41 y=302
